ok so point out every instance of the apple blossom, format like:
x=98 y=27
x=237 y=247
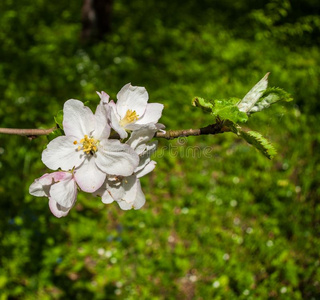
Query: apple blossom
x=127 y=190
x=132 y=111
x=86 y=148
x=61 y=189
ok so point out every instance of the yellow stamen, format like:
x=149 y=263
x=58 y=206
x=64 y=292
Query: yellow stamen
x=130 y=117
x=89 y=145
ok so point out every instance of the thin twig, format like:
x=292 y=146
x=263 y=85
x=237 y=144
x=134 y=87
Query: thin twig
x=30 y=133
x=169 y=135
x=210 y=129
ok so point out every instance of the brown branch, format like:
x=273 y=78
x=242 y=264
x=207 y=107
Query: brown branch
x=30 y=133
x=210 y=129
x=169 y=135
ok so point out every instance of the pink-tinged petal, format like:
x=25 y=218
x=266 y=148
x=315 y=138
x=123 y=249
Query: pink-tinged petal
x=62 y=153
x=41 y=186
x=140 y=197
x=115 y=158
x=88 y=176
x=38 y=190
x=102 y=128
x=78 y=119
x=131 y=97
x=115 y=121
x=130 y=186
x=147 y=169
x=47 y=179
x=152 y=114
x=57 y=210
x=64 y=192
x=104 y=97
x=60 y=175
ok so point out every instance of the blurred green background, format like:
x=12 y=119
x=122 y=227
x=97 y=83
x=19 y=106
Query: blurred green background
x=233 y=225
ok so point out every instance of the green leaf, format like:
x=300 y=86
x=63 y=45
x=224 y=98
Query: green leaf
x=259 y=142
x=57 y=132
x=250 y=99
x=202 y=103
x=270 y=96
x=59 y=119
x=228 y=110
x=225 y=109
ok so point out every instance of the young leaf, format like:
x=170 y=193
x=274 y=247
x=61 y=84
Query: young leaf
x=225 y=109
x=253 y=95
x=59 y=119
x=203 y=103
x=259 y=142
x=270 y=96
x=228 y=110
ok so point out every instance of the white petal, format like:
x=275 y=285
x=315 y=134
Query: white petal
x=41 y=186
x=102 y=128
x=78 y=119
x=115 y=121
x=57 y=210
x=147 y=169
x=111 y=192
x=152 y=114
x=36 y=189
x=115 y=158
x=139 y=138
x=150 y=149
x=62 y=153
x=129 y=184
x=145 y=156
x=116 y=190
x=88 y=176
x=131 y=97
x=104 y=97
x=64 y=192
x=106 y=198
x=140 y=197
x=124 y=205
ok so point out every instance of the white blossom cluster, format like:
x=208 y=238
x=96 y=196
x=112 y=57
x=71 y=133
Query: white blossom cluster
x=87 y=158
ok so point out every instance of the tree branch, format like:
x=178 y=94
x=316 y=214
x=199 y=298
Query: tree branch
x=210 y=129
x=30 y=133
x=169 y=135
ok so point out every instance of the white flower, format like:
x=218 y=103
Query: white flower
x=86 y=148
x=132 y=111
x=127 y=190
x=60 y=188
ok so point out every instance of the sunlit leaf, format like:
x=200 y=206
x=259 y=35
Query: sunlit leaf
x=225 y=109
x=270 y=96
x=259 y=142
x=253 y=95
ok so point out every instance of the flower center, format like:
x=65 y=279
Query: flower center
x=130 y=117
x=89 y=145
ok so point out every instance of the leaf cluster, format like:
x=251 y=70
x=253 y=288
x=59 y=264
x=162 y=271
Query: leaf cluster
x=233 y=111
